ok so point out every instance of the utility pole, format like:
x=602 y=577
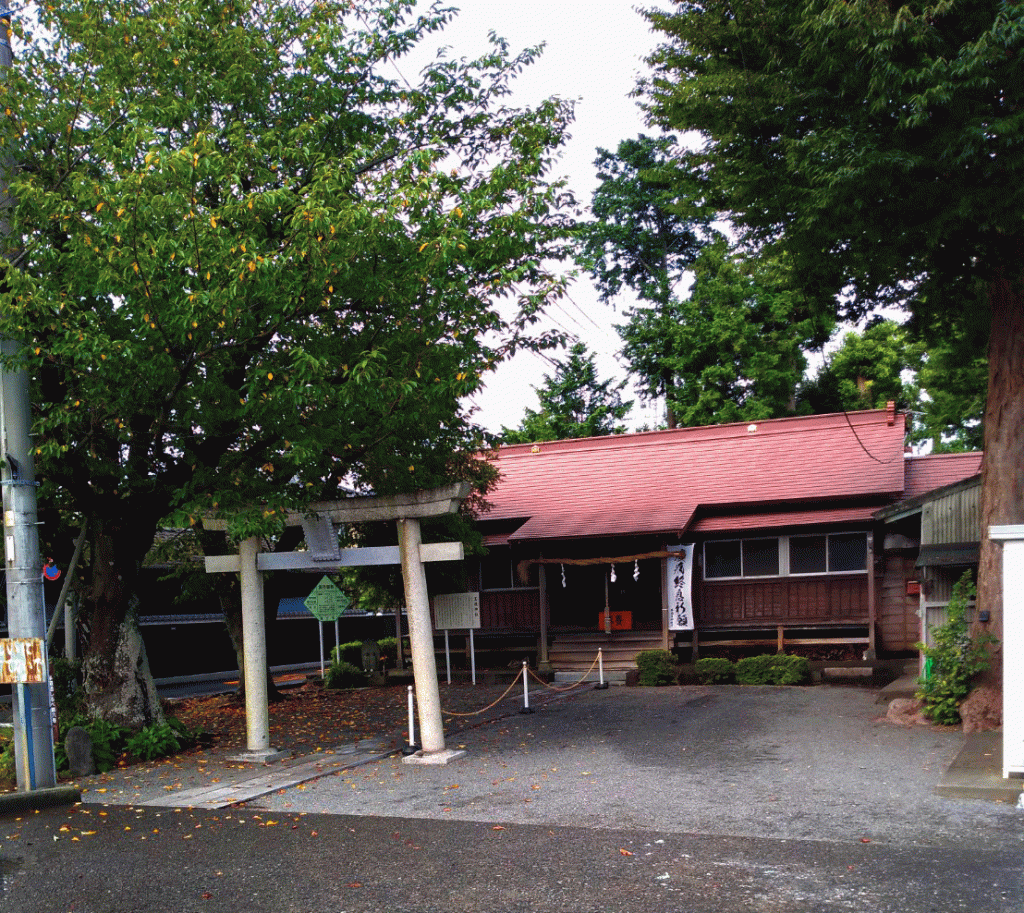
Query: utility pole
x=26 y=615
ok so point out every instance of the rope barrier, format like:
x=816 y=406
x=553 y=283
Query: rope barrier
x=574 y=684
x=490 y=705
x=537 y=678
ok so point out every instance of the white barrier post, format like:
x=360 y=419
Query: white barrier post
x=526 y=690
x=472 y=655
x=601 y=684
x=412 y=747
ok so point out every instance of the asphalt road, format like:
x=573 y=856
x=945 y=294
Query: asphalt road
x=725 y=799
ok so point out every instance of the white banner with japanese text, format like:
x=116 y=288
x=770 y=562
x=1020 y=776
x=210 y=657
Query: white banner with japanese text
x=679 y=586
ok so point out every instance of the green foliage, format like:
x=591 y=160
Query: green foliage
x=344 y=675
x=254 y=265
x=955 y=376
x=153 y=742
x=955 y=658
x=389 y=650
x=8 y=773
x=108 y=742
x=867 y=371
x=657 y=667
x=907 y=192
x=573 y=404
x=773 y=669
x=640 y=239
x=714 y=670
x=731 y=349
x=351 y=653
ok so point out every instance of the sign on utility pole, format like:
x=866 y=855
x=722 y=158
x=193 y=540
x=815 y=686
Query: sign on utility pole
x=26 y=617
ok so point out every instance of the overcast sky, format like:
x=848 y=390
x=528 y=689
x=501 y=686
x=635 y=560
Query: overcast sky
x=594 y=53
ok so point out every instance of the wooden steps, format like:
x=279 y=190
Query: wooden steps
x=577 y=652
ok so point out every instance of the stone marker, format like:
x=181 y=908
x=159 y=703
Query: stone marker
x=78 y=746
x=371 y=656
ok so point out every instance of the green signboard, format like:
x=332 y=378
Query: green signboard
x=326 y=601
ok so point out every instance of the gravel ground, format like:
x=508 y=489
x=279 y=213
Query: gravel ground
x=816 y=763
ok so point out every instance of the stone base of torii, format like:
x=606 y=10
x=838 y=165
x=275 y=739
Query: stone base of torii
x=319 y=522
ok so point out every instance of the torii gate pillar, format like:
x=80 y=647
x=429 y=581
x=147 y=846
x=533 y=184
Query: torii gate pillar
x=254 y=645
x=421 y=642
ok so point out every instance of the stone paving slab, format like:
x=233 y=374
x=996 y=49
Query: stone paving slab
x=246 y=785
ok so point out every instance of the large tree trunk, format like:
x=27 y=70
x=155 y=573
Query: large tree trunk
x=1002 y=471
x=119 y=686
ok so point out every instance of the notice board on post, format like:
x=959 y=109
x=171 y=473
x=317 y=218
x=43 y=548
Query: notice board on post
x=457 y=611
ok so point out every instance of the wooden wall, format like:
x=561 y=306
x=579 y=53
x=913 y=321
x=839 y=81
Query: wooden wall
x=786 y=601
x=898 y=623
x=510 y=610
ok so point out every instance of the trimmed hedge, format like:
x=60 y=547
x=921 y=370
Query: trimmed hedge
x=657 y=667
x=773 y=669
x=714 y=670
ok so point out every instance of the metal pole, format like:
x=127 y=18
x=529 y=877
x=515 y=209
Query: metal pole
x=472 y=655
x=412 y=716
x=320 y=628
x=33 y=744
x=601 y=684
x=447 y=657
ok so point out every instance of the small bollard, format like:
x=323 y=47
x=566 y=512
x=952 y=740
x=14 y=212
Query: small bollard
x=601 y=684
x=412 y=747
x=526 y=690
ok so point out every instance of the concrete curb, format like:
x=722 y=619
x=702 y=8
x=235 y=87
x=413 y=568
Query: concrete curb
x=14 y=803
x=977 y=772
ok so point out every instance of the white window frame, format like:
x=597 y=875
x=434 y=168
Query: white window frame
x=784 y=570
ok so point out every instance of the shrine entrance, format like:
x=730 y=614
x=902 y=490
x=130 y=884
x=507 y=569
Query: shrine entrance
x=319 y=522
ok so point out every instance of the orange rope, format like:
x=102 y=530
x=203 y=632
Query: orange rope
x=489 y=706
x=575 y=684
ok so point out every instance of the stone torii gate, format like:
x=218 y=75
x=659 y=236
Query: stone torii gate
x=323 y=554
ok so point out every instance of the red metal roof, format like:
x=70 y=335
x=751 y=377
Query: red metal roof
x=926 y=473
x=654 y=482
x=785 y=518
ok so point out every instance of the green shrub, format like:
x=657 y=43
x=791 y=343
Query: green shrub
x=954 y=659
x=344 y=675
x=352 y=653
x=8 y=774
x=389 y=650
x=108 y=742
x=657 y=667
x=773 y=669
x=714 y=670
x=153 y=742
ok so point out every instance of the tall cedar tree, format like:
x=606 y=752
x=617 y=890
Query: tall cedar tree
x=255 y=262
x=879 y=145
x=728 y=350
x=573 y=404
